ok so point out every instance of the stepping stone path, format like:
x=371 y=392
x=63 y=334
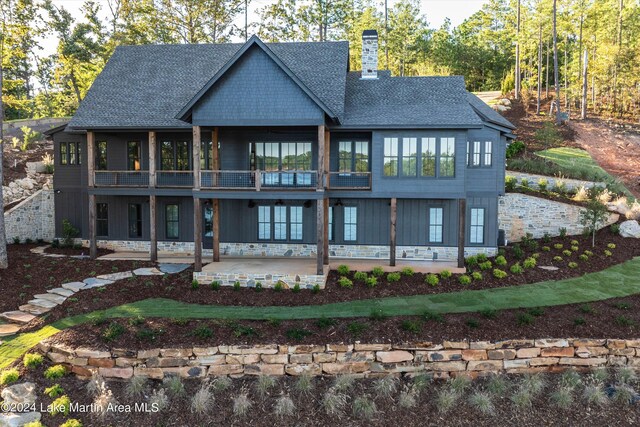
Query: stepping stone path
x=13 y=419
x=548 y=267
x=42 y=303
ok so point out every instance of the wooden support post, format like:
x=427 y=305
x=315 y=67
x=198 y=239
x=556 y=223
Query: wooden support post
x=152 y=159
x=197 y=234
x=153 y=229
x=392 y=236
x=320 y=234
x=197 y=144
x=93 y=244
x=91 y=159
x=325 y=231
x=216 y=230
x=462 y=215
x=321 y=155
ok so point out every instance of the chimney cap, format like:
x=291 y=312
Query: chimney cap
x=370 y=33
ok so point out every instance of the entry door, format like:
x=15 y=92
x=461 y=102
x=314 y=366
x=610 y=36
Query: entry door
x=207 y=230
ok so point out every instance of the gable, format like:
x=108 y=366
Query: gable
x=256 y=91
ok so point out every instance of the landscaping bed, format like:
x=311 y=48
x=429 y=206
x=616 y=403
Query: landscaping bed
x=74 y=251
x=30 y=274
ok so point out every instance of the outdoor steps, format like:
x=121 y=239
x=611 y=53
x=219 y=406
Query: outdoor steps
x=42 y=303
x=8 y=329
x=57 y=299
x=17 y=316
x=34 y=309
x=61 y=291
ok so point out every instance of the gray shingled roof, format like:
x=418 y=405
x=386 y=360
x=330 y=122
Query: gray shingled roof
x=488 y=113
x=146 y=86
x=407 y=101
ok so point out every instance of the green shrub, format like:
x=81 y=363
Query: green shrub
x=482 y=257
x=524 y=319
x=315 y=289
x=54 y=391
x=573 y=265
x=516 y=268
x=476 y=275
x=378 y=271
x=113 y=331
x=194 y=285
x=445 y=274
x=472 y=322
x=535 y=255
x=501 y=261
x=611 y=245
x=583 y=257
x=393 y=277
x=588 y=253
x=524 y=182
x=558 y=246
x=371 y=282
x=296 y=288
x=433 y=316
x=489 y=313
x=485 y=265
x=407 y=271
x=345 y=282
x=562 y=231
x=536 y=311
x=546 y=248
x=510 y=183
x=236 y=286
x=471 y=261
x=499 y=274
x=607 y=253
x=325 y=322
x=464 y=279
x=579 y=321
x=377 y=314
x=542 y=184
x=558 y=258
x=567 y=252
x=9 y=376
x=258 y=287
x=202 y=332
x=360 y=275
x=297 y=334
x=411 y=326
x=61 y=405
x=575 y=248
x=514 y=148
x=529 y=262
x=343 y=270
x=55 y=372
x=431 y=279
x=356 y=328
x=518 y=253
x=615 y=228
x=71 y=423
x=32 y=360
x=279 y=286
x=215 y=285
x=69 y=232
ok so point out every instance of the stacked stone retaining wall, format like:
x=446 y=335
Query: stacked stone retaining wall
x=33 y=219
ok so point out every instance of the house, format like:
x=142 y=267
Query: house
x=279 y=149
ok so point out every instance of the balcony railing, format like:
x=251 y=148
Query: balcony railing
x=174 y=179
x=122 y=178
x=259 y=180
x=349 y=181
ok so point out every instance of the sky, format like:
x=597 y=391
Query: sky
x=436 y=12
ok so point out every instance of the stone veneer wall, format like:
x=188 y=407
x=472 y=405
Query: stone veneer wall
x=519 y=214
x=33 y=219
x=569 y=184
x=475 y=358
x=267 y=280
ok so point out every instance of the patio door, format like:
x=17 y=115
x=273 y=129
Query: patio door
x=207 y=229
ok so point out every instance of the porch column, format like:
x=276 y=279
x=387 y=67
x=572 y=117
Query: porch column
x=325 y=232
x=320 y=231
x=392 y=235
x=197 y=202
x=91 y=165
x=321 y=157
x=462 y=215
x=216 y=230
x=153 y=230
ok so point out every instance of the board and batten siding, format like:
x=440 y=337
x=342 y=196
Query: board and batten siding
x=482 y=180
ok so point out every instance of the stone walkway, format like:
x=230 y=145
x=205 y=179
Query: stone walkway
x=43 y=303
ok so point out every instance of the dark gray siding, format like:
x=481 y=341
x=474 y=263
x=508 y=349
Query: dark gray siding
x=254 y=92
x=412 y=223
x=485 y=181
x=70 y=185
x=117 y=148
x=490 y=204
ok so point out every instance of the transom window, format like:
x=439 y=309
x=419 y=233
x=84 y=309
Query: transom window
x=350 y=223
x=70 y=153
x=353 y=156
x=280 y=223
x=174 y=156
x=172 y=220
x=413 y=157
x=435 y=225
x=476 y=235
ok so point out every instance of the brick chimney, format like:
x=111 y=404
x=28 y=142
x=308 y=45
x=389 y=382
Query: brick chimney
x=369 y=54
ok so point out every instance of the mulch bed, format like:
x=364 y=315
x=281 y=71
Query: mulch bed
x=548 y=195
x=71 y=251
x=29 y=274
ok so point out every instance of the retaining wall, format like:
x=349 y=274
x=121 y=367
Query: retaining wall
x=569 y=184
x=33 y=219
x=449 y=358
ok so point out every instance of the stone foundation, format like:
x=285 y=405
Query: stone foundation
x=32 y=219
x=249 y=280
x=442 y=360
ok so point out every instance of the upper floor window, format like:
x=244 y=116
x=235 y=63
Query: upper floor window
x=447 y=157
x=206 y=155
x=480 y=154
x=391 y=157
x=101 y=155
x=428 y=157
x=353 y=156
x=475 y=153
x=70 y=153
x=174 y=155
x=409 y=156
x=488 y=153
x=134 y=155
x=476 y=234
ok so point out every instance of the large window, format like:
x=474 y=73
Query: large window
x=350 y=223
x=133 y=155
x=70 y=153
x=295 y=224
x=101 y=155
x=172 y=220
x=135 y=220
x=409 y=156
x=206 y=155
x=447 y=157
x=283 y=156
x=435 y=225
x=476 y=235
x=488 y=151
x=174 y=156
x=280 y=222
x=102 y=219
x=353 y=156
x=264 y=222
x=391 y=157
x=428 y=157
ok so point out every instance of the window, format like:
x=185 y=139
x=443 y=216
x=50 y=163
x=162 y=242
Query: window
x=135 y=220
x=295 y=225
x=391 y=157
x=409 y=156
x=70 y=153
x=350 y=223
x=102 y=219
x=345 y=156
x=133 y=155
x=182 y=156
x=63 y=153
x=435 y=225
x=428 y=157
x=264 y=222
x=488 y=151
x=353 y=156
x=475 y=155
x=101 y=155
x=330 y=223
x=174 y=155
x=283 y=156
x=476 y=235
x=280 y=223
x=206 y=155
x=447 y=157
x=172 y=219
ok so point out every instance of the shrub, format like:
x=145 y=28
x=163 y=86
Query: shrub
x=445 y=274
x=343 y=270
x=431 y=279
x=69 y=232
x=433 y=316
x=558 y=246
x=529 y=262
x=562 y=232
x=334 y=402
x=159 y=400
x=278 y=287
x=524 y=182
x=586 y=308
x=524 y=319
x=9 y=376
x=393 y=277
x=464 y=279
x=518 y=253
x=510 y=183
x=202 y=400
x=546 y=248
x=195 y=285
x=136 y=387
x=385 y=387
x=61 y=405
x=407 y=271
x=472 y=322
x=615 y=228
x=542 y=184
x=264 y=384
x=344 y=383
x=536 y=311
x=296 y=288
x=535 y=255
x=174 y=385
x=624 y=321
x=588 y=253
x=54 y=391
x=611 y=245
x=579 y=321
x=377 y=314
x=567 y=252
x=485 y=265
x=202 y=332
x=489 y=313
x=482 y=257
x=481 y=401
x=407 y=398
x=113 y=331
x=515 y=268
x=55 y=372
x=499 y=274
x=583 y=257
x=315 y=289
x=242 y=404
x=514 y=148
x=364 y=408
x=575 y=248
x=360 y=275
x=573 y=265
x=32 y=360
x=476 y=275
x=446 y=399
x=497 y=385
x=356 y=329
x=471 y=261
x=221 y=384
x=236 y=286
x=371 y=282
x=501 y=261
x=284 y=407
x=410 y=326
x=345 y=282
x=607 y=253
x=297 y=334
x=557 y=258
x=377 y=271
x=575 y=243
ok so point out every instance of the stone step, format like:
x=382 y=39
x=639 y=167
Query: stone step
x=74 y=286
x=92 y=282
x=116 y=276
x=148 y=272
x=17 y=316
x=58 y=299
x=61 y=291
x=33 y=309
x=42 y=303
x=8 y=329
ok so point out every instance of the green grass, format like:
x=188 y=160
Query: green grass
x=579 y=290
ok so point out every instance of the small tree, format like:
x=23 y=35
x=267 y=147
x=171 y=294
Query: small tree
x=548 y=135
x=593 y=217
x=69 y=232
